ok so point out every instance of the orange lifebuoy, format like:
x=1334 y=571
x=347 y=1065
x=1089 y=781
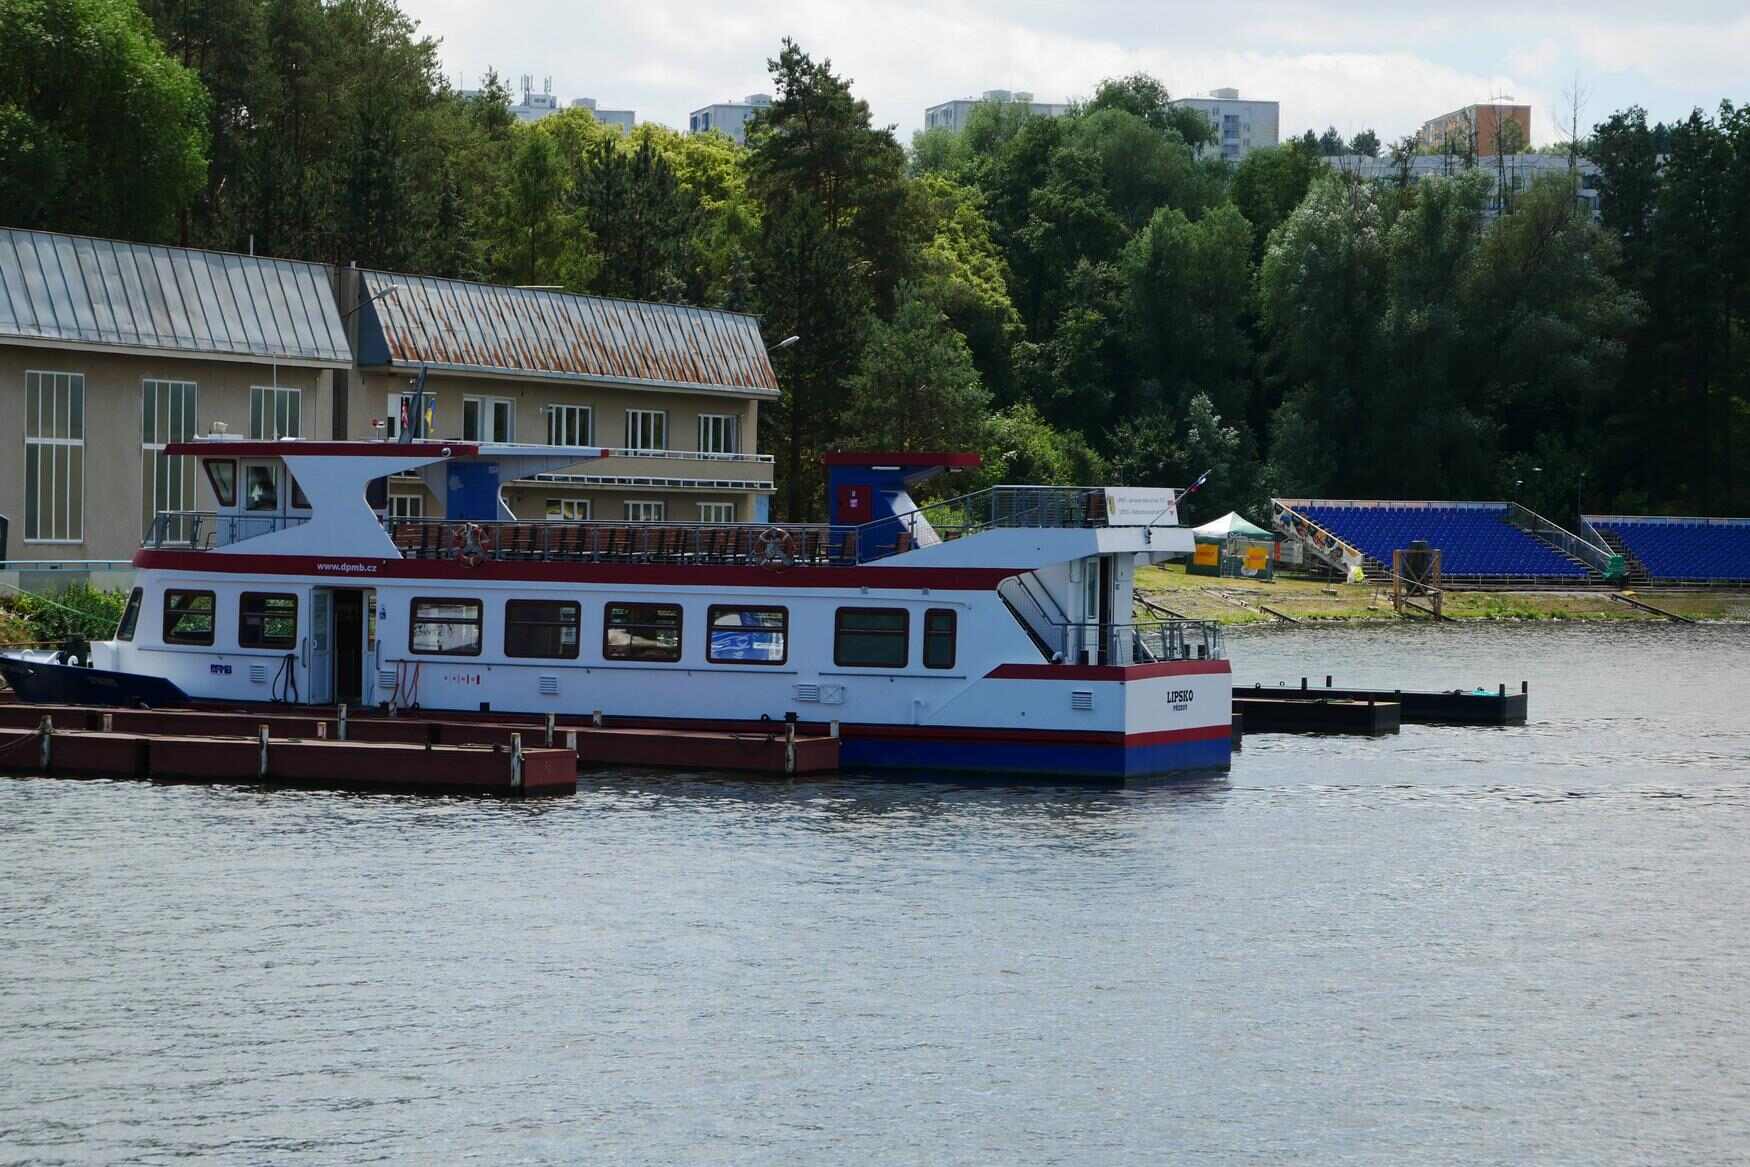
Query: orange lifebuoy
x=777 y=547
x=471 y=543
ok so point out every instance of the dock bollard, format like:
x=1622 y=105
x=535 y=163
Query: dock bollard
x=321 y=731
x=516 y=761
x=261 y=764
x=340 y=723
x=790 y=745
x=550 y=720
x=109 y=723
x=1525 y=686
x=1503 y=688
x=832 y=728
x=1327 y=680
x=595 y=718
x=1303 y=684
x=46 y=729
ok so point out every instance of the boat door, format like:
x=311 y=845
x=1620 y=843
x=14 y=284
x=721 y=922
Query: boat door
x=336 y=660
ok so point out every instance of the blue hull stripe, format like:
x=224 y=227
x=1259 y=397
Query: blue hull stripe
x=1045 y=758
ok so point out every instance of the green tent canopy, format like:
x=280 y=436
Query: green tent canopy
x=1231 y=523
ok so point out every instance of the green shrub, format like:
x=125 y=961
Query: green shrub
x=78 y=610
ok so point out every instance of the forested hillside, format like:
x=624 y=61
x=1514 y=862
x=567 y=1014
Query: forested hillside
x=1079 y=297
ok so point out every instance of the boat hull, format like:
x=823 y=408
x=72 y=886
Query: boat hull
x=47 y=683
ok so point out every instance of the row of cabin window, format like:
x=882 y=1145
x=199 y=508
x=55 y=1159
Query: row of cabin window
x=549 y=629
x=735 y=633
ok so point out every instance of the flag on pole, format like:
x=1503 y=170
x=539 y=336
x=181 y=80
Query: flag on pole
x=1201 y=479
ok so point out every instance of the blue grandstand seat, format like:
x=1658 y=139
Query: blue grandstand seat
x=1686 y=549
x=1473 y=541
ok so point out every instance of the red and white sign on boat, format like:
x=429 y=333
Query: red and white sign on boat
x=991 y=632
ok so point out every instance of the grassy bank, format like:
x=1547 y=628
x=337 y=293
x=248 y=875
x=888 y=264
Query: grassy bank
x=1240 y=601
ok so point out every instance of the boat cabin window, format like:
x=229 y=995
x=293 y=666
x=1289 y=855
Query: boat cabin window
x=188 y=617
x=267 y=620
x=939 y=638
x=748 y=636
x=130 y=616
x=299 y=501
x=445 y=627
x=261 y=487
x=871 y=638
x=541 y=628
x=642 y=632
x=222 y=475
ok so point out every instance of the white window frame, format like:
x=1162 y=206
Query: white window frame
x=570 y=510
x=646 y=510
x=719 y=433
x=717 y=512
x=392 y=412
x=265 y=402
x=642 y=426
x=585 y=431
x=406 y=506
x=167 y=414
x=57 y=448
x=485 y=409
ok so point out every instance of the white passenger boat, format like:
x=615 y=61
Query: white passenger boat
x=992 y=632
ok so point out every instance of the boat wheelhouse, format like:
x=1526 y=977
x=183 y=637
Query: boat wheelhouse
x=990 y=632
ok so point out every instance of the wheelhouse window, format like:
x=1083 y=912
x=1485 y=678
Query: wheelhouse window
x=871 y=638
x=569 y=425
x=130 y=616
x=940 y=633
x=646 y=429
x=188 y=617
x=742 y=636
x=222 y=477
x=261 y=487
x=541 y=628
x=642 y=632
x=267 y=620
x=445 y=627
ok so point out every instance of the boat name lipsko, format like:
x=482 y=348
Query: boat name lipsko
x=990 y=632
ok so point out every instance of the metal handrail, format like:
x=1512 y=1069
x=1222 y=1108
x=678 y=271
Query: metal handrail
x=1601 y=559
x=1139 y=641
x=628 y=542
x=1010 y=506
x=200 y=530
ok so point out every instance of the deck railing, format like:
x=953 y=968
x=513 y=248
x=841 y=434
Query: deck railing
x=1008 y=506
x=629 y=542
x=1140 y=642
x=202 y=530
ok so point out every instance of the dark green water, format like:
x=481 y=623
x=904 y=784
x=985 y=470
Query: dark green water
x=1457 y=946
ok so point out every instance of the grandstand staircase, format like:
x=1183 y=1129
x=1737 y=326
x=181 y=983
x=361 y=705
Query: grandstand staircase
x=1635 y=572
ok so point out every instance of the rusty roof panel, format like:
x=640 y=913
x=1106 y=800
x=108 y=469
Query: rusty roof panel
x=79 y=290
x=469 y=327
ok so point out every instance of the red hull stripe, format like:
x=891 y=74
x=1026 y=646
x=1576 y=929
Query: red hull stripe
x=326 y=449
x=364 y=570
x=1166 y=668
x=965 y=733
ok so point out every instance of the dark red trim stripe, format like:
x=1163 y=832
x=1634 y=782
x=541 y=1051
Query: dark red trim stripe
x=325 y=449
x=364 y=569
x=1168 y=668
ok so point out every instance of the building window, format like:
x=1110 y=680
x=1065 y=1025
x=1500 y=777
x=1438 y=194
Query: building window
x=570 y=425
x=407 y=506
x=645 y=511
x=166 y=481
x=275 y=412
x=399 y=412
x=939 y=638
x=871 y=638
x=642 y=632
x=130 y=616
x=568 y=510
x=747 y=636
x=717 y=433
x=267 y=620
x=188 y=617
x=488 y=419
x=541 y=628
x=54 y=457
x=445 y=627
x=646 y=429
x=716 y=512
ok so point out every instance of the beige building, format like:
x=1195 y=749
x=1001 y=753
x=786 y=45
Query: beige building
x=110 y=350
x=671 y=392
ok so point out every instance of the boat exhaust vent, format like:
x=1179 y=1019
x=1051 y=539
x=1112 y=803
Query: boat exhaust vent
x=549 y=685
x=258 y=674
x=386 y=679
x=807 y=692
x=1082 y=699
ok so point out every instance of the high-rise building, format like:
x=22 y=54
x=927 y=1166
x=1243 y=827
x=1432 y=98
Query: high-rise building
x=624 y=118
x=535 y=106
x=728 y=117
x=1480 y=129
x=1241 y=126
x=952 y=115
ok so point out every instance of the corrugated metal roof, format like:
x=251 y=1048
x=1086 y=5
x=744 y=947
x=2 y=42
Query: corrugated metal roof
x=80 y=290
x=468 y=327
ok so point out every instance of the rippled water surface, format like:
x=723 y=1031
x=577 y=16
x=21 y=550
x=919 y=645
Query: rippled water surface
x=1460 y=946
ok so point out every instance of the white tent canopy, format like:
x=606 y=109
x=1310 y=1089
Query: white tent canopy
x=1231 y=523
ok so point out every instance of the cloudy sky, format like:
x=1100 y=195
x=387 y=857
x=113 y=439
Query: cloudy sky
x=1352 y=65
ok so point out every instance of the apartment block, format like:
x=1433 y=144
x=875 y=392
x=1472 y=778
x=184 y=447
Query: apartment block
x=1241 y=125
x=952 y=115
